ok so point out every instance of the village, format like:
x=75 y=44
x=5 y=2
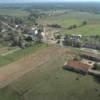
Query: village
x=87 y=62
x=49 y=51
x=22 y=36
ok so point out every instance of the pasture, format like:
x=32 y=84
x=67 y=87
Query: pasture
x=50 y=81
x=10 y=55
x=14 y=12
x=75 y=18
x=36 y=73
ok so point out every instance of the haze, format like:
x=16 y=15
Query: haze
x=26 y=1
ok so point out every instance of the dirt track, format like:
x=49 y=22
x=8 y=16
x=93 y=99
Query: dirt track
x=17 y=69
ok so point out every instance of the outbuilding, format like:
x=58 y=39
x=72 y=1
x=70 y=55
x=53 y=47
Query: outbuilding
x=77 y=66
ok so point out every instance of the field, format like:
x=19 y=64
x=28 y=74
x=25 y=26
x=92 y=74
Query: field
x=43 y=78
x=65 y=18
x=75 y=17
x=14 y=12
x=11 y=57
x=36 y=72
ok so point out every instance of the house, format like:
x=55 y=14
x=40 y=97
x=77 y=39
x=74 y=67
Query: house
x=31 y=34
x=76 y=37
x=34 y=35
x=77 y=66
x=92 y=46
x=90 y=56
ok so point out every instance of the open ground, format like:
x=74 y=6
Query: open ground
x=40 y=76
x=75 y=18
x=36 y=72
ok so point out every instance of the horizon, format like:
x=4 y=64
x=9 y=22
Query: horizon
x=47 y=1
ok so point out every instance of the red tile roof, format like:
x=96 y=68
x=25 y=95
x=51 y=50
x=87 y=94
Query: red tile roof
x=78 y=65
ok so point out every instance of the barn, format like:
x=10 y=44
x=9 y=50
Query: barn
x=77 y=66
x=90 y=56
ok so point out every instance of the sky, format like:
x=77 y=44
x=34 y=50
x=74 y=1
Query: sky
x=23 y=1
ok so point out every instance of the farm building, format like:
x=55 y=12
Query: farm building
x=77 y=66
x=90 y=56
x=92 y=46
x=76 y=37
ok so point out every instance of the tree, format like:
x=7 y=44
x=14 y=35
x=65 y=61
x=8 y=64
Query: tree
x=84 y=23
x=15 y=39
x=39 y=37
x=22 y=42
x=77 y=58
x=69 y=42
x=78 y=44
x=72 y=27
x=96 y=66
x=40 y=28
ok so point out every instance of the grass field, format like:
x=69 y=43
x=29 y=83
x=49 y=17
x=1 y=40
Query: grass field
x=18 y=54
x=70 y=18
x=14 y=12
x=37 y=72
x=65 y=20
x=50 y=81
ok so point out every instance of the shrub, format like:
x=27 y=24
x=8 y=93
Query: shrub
x=84 y=22
x=77 y=58
x=97 y=66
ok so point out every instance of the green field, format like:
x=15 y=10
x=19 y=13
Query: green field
x=51 y=82
x=19 y=54
x=70 y=18
x=14 y=12
x=65 y=20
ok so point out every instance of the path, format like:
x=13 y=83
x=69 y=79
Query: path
x=17 y=69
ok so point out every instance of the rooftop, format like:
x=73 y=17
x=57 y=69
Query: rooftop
x=90 y=52
x=97 y=56
x=78 y=65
